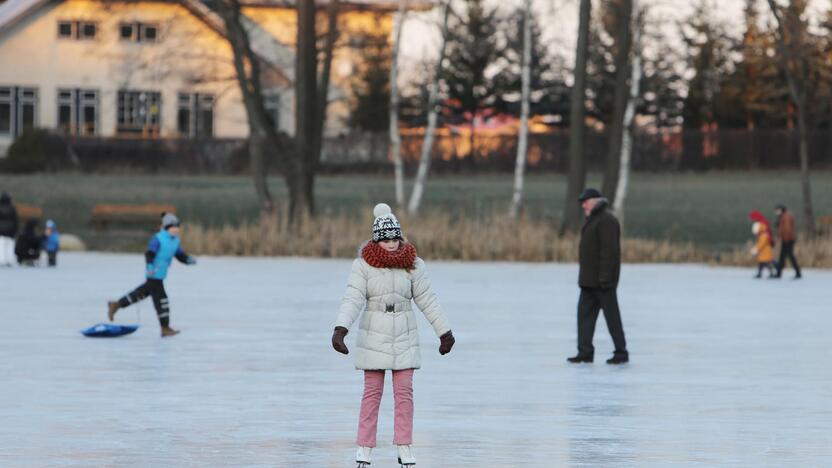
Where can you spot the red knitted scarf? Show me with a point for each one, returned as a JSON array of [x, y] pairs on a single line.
[[375, 255]]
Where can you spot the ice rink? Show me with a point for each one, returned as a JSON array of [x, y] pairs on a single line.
[[725, 370]]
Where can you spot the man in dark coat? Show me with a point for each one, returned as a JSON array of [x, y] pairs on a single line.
[[8, 229], [600, 266], [788, 236]]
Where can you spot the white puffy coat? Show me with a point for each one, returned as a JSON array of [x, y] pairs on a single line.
[[389, 340]]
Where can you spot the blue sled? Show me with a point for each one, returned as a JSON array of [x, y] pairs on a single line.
[[108, 330]]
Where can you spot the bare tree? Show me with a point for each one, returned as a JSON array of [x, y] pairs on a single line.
[[577, 166], [433, 108], [326, 71], [790, 44], [262, 136], [523, 139], [622, 9], [395, 137], [629, 115], [307, 123]]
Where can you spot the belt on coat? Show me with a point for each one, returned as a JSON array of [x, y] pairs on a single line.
[[378, 306]]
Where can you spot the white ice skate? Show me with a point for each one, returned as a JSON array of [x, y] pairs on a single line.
[[362, 456], [406, 458]]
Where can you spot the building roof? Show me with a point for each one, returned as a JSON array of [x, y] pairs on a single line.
[[263, 43], [13, 11]]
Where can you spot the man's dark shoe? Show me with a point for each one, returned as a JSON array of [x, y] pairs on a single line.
[[798, 276], [618, 359], [579, 359]]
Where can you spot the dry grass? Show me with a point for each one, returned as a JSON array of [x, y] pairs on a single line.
[[439, 236]]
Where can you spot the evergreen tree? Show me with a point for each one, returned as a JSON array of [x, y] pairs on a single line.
[[474, 48], [708, 51], [549, 93], [371, 85]]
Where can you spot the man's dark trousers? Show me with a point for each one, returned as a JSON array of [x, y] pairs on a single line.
[[787, 252], [591, 301]]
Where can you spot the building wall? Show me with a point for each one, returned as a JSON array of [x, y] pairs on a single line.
[[188, 57], [282, 24]]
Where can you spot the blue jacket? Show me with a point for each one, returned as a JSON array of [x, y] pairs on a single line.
[[52, 242], [161, 251]]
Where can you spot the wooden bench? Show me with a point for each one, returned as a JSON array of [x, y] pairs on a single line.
[[28, 212], [146, 215]]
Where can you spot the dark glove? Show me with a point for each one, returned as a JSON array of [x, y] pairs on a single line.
[[446, 342], [338, 340]]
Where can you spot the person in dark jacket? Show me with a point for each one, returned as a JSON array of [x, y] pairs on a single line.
[[600, 267], [161, 250], [788, 236], [27, 248], [8, 229]]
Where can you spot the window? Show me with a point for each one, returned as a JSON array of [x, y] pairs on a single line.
[[138, 32], [18, 109], [79, 30], [195, 115], [6, 104], [139, 112], [272, 105], [87, 31], [78, 111], [65, 29], [148, 33], [126, 32]]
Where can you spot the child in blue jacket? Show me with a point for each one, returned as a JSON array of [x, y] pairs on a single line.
[[51, 242], [162, 249]]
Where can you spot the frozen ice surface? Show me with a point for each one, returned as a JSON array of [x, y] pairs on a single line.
[[725, 370]]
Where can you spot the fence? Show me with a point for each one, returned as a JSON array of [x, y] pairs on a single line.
[[452, 153]]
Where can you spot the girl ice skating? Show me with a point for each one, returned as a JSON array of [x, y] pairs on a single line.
[[162, 249], [384, 279]]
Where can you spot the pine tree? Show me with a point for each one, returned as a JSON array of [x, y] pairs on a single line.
[[708, 52], [473, 48], [371, 86]]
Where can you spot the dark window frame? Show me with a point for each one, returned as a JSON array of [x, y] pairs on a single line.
[[198, 111], [79, 100], [138, 32], [71, 24], [77, 30], [20, 100], [139, 112]]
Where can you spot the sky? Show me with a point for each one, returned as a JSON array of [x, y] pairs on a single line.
[[560, 18]]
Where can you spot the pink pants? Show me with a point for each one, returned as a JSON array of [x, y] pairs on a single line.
[[403, 397]]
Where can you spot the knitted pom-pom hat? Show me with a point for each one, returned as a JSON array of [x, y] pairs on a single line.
[[385, 225]]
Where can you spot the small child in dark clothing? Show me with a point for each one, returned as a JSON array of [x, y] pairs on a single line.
[[27, 247], [51, 242]]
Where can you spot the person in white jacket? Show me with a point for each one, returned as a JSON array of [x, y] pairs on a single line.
[[385, 278]]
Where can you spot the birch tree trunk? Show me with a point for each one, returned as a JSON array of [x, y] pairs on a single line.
[[797, 92], [577, 166], [523, 139], [629, 116], [427, 143], [395, 137]]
